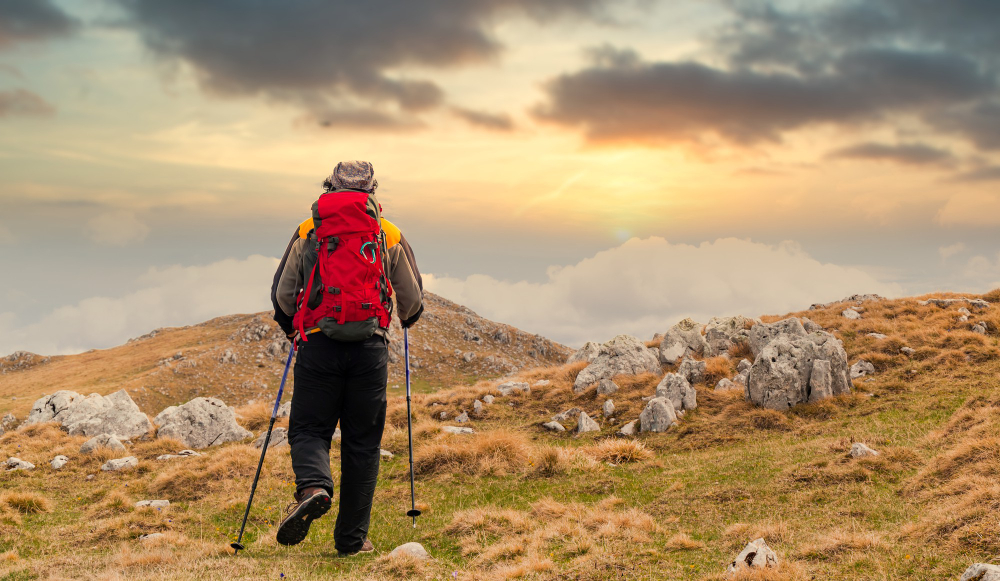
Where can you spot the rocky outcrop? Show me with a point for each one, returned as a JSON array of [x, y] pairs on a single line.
[[945, 303], [18, 464], [588, 353], [108, 441], [676, 389], [623, 355], [511, 387], [981, 572], [606, 387], [861, 369], [682, 339], [722, 333], [756, 555], [279, 439], [693, 370], [200, 423], [783, 374], [657, 416], [93, 415]]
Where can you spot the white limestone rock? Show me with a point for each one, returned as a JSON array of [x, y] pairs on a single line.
[[756, 555], [609, 408], [764, 333], [908, 351], [386, 454], [488, 399], [981, 572], [725, 384], [586, 424], [181, 454], [95, 414], [693, 370], [200, 423], [279, 439], [684, 338], [554, 426], [722, 333], [103, 441], [676, 389], [657, 416], [477, 407], [152, 504], [628, 429], [588, 353], [606, 387], [878, 336], [511, 387], [457, 430], [623, 355], [567, 415], [120, 464], [18, 464], [861, 369], [412, 549], [851, 314], [51, 408], [59, 461], [859, 450], [462, 418], [285, 410]]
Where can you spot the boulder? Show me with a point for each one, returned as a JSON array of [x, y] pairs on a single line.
[[457, 430], [152, 504], [628, 429], [588, 353], [726, 385], [285, 410], [851, 314], [744, 366], [18, 464], [586, 424], [7, 422], [609, 408], [693, 370], [487, 399], [820, 381], [606, 387], [682, 339], [462, 418], [511, 387], [103, 441], [229, 357], [861, 369], [279, 438], [623, 355], [756, 555], [658, 415], [722, 333], [810, 326], [59, 461], [477, 407], [764, 333], [980, 328], [120, 464], [554, 426], [859, 450], [981, 572], [567, 415], [95, 414], [414, 550], [50, 408], [978, 304], [676, 389], [200, 423]]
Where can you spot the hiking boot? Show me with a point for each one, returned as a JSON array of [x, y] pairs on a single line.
[[310, 504], [368, 547]]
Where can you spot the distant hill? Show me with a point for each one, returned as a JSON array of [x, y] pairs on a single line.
[[239, 358]]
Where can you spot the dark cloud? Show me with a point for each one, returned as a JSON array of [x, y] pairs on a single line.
[[21, 103], [983, 174], [840, 63], [32, 20], [338, 59], [494, 121], [906, 153]]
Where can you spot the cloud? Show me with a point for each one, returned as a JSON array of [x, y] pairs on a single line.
[[983, 273], [32, 20], [338, 60], [172, 296], [975, 209], [905, 153], [947, 252], [21, 103], [494, 121], [118, 228], [983, 174], [644, 286], [6, 236]]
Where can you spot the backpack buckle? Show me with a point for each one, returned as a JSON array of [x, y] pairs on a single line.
[[366, 305], [337, 308], [333, 290]]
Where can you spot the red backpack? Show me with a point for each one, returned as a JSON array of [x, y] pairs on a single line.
[[347, 293]]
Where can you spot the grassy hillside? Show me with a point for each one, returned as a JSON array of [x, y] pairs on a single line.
[[514, 501]]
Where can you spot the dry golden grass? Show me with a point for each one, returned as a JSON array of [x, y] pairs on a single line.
[[619, 451], [26, 502], [772, 532], [716, 368], [993, 296], [785, 571], [838, 542], [683, 542], [491, 453]]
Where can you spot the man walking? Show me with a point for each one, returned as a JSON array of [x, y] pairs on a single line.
[[343, 272]]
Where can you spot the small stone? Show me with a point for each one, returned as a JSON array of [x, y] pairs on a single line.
[[103, 441], [566, 415], [386, 454], [59, 461], [851, 314], [337, 435], [878, 336], [756, 555], [586, 424], [279, 438], [859, 450], [462, 418], [964, 311], [908, 351], [744, 366], [488, 399], [90, 477], [542, 383], [980, 328], [725, 385], [981, 572], [443, 415], [181, 454], [415, 550], [120, 464], [18, 464], [609, 408], [512, 387], [861, 369], [151, 536], [554, 426], [468, 356], [285, 410], [606, 387], [152, 504], [457, 430], [628, 429], [692, 370], [658, 415], [477, 407]]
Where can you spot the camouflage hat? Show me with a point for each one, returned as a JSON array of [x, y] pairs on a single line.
[[355, 175]]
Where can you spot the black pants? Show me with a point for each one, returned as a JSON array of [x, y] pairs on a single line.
[[345, 382]]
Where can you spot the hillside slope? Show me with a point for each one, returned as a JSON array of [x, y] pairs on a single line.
[[450, 345], [513, 500]]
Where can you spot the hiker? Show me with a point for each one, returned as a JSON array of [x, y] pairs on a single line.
[[331, 294]]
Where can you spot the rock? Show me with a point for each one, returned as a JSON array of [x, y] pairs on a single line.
[[487, 399], [693, 370], [151, 536], [606, 387], [337, 435], [981, 572], [457, 430], [722, 333], [152, 504], [780, 378], [682, 339], [386, 454], [810, 326], [588, 353], [851, 314], [609, 408], [200, 423], [277, 349], [878, 336], [908, 351], [50, 408], [980, 328], [477, 407], [676, 389], [228, 357], [628, 429], [59, 461], [859, 450], [764, 333], [978, 304], [963, 319], [861, 369], [415, 550], [542, 383], [120, 464], [965, 311], [285, 410], [468, 356], [820, 381], [566, 415], [181, 454], [90, 477], [18, 464], [744, 366], [443, 416], [279, 438], [623, 355], [586, 424], [855, 298], [658, 415], [512, 387], [95, 414], [554, 426], [756, 555], [103, 441], [8, 421], [725, 385], [742, 379], [462, 418]]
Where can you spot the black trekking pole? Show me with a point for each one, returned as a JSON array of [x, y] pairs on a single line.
[[413, 512], [237, 546]]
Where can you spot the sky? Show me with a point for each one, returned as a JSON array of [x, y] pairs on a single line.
[[576, 168]]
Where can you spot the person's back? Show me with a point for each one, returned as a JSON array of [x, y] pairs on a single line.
[[333, 292]]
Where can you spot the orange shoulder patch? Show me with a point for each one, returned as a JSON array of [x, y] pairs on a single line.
[[305, 227], [392, 233]]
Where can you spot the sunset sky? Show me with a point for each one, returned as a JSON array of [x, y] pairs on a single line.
[[577, 168]]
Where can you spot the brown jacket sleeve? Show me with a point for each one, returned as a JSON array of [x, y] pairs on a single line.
[[407, 284], [290, 279]]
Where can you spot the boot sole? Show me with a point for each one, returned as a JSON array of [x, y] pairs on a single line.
[[293, 530]]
